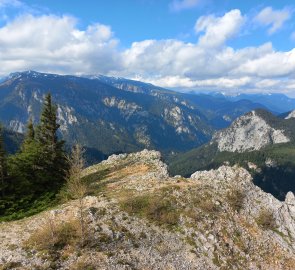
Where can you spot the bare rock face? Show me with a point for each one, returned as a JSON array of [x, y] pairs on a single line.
[[291, 115], [256, 200], [249, 132]]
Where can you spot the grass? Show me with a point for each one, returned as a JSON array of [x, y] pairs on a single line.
[[266, 220], [54, 237], [235, 198], [156, 208]]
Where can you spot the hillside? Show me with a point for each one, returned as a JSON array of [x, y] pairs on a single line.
[[138, 217], [257, 138], [12, 140], [112, 115]]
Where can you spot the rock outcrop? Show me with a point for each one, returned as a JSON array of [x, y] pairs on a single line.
[[247, 133]]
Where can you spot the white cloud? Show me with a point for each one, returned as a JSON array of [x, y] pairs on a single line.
[[273, 18], [55, 44], [219, 29], [178, 5]]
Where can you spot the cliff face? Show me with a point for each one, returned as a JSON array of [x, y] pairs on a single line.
[[249, 132], [139, 217]]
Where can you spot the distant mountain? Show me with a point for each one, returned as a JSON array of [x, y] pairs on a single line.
[[111, 115], [258, 140], [278, 103]]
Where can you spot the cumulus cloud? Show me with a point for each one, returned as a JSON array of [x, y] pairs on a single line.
[[275, 19], [55, 43], [51, 43], [219, 29], [178, 5]]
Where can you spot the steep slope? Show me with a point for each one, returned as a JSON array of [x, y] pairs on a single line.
[[256, 140], [140, 218], [218, 110]]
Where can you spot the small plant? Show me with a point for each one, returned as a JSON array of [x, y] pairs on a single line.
[[208, 206], [10, 265], [54, 237], [76, 187], [266, 220], [235, 198], [157, 208]]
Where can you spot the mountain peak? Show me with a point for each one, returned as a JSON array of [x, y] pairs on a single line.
[[250, 132]]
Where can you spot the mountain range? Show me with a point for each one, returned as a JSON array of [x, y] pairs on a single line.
[[275, 102], [111, 115]]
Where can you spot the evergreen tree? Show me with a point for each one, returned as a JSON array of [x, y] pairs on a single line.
[[47, 133], [30, 136], [3, 164], [53, 148]]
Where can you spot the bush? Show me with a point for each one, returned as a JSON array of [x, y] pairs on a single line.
[[266, 219], [53, 237]]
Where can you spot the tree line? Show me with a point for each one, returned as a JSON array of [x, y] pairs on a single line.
[[31, 178]]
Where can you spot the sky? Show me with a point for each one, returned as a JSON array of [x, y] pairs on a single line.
[[203, 45]]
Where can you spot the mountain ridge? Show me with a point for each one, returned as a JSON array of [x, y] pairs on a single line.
[[112, 120]]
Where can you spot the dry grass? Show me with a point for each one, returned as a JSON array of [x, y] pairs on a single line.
[[266, 220], [156, 208], [129, 170], [235, 197], [52, 237]]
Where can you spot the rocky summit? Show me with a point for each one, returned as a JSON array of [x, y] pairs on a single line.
[[249, 132], [138, 217]]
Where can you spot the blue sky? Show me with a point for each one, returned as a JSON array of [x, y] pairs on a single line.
[[223, 45]]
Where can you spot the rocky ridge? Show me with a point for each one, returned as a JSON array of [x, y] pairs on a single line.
[[140, 218], [249, 132]]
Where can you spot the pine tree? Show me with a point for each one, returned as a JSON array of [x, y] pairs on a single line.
[[53, 148], [47, 133], [3, 163]]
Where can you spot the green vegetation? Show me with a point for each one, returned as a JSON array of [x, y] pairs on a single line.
[[31, 178], [158, 208]]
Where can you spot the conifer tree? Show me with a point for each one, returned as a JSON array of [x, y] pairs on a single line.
[[47, 133], [3, 163], [53, 148], [30, 135]]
